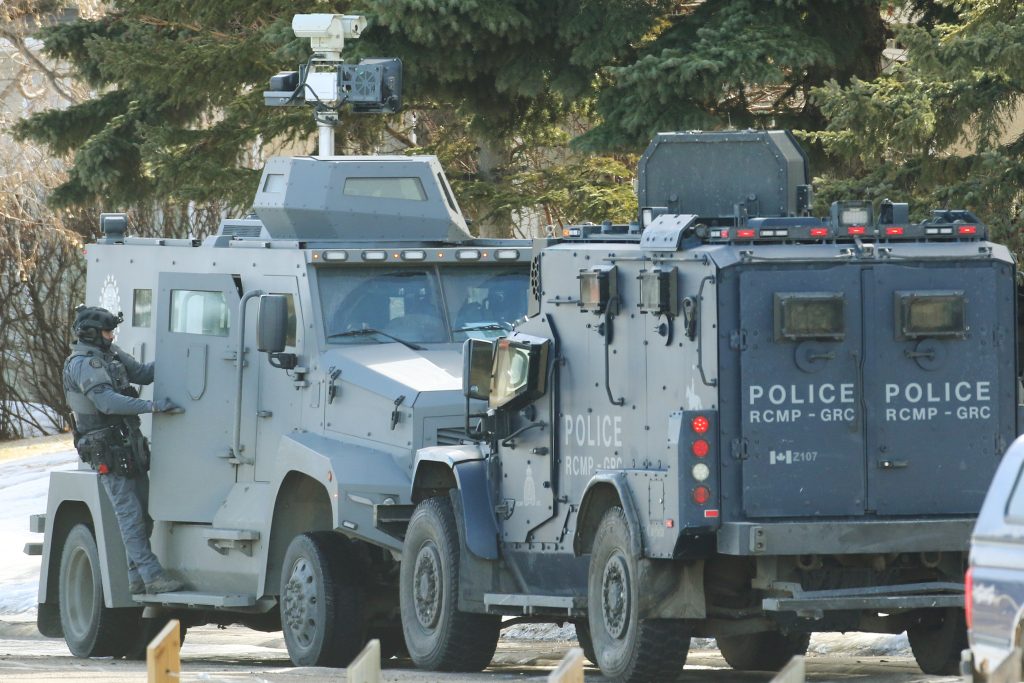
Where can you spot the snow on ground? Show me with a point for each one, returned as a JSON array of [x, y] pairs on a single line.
[[23, 484]]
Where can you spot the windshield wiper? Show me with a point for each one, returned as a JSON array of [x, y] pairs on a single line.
[[374, 330], [472, 327]]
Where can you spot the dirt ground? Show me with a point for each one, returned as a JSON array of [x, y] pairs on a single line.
[[239, 654]]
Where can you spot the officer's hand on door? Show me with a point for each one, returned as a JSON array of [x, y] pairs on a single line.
[[166, 405]]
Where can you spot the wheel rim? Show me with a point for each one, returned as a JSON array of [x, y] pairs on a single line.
[[615, 592], [301, 602], [78, 595], [426, 582]]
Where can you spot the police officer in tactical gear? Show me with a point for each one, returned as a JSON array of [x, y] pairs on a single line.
[[97, 382]]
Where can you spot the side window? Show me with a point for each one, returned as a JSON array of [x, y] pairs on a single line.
[[142, 308], [199, 312], [291, 336]]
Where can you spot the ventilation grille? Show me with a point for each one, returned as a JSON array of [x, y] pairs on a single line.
[[241, 230], [451, 436]]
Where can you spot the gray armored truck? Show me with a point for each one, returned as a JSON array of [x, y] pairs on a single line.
[[731, 419], [314, 348]]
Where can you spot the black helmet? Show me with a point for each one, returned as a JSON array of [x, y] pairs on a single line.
[[89, 320]]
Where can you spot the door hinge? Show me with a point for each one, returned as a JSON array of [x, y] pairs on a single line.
[[738, 340], [332, 386], [739, 449]]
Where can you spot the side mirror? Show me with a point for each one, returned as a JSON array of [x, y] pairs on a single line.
[[477, 355], [272, 323]]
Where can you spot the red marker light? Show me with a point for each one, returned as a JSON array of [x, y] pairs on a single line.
[[744, 233], [856, 230], [725, 234], [969, 596], [894, 231], [819, 232], [700, 424], [711, 513], [701, 448], [669, 523], [103, 469], [701, 495], [968, 230]]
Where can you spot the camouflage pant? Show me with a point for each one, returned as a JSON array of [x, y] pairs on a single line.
[[130, 499]]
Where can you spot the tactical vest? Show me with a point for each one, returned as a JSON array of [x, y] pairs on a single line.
[[87, 417]]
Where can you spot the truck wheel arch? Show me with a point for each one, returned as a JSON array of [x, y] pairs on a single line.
[[302, 505], [604, 491], [432, 479]]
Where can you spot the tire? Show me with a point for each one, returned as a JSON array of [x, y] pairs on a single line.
[[937, 639], [321, 602], [147, 630], [91, 629], [438, 635], [628, 649], [585, 641], [765, 651]]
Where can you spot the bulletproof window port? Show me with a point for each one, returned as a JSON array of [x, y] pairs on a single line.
[[142, 308], [658, 292], [274, 183], [386, 188], [931, 314], [599, 290], [809, 315], [199, 312]]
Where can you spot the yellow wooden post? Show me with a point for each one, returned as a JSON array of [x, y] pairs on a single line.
[[365, 668], [163, 655], [794, 672], [570, 669]]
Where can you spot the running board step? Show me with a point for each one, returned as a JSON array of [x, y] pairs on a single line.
[[195, 599], [515, 603]]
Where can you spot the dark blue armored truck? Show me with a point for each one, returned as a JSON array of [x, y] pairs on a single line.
[[731, 420]]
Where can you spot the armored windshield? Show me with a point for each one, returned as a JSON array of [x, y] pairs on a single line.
[[424, 304]]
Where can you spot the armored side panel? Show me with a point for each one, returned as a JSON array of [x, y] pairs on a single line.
[[388, 198], [716, 175]]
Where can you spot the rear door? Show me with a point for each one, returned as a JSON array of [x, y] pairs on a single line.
[[802, 444], [939, 377]]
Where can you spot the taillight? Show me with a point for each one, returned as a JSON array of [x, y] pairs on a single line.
[[744, 233], [969, 596], [968, 230], [700, 448], [819, 232], [894, 231], [700, 424], [701, 495], [856, 230]]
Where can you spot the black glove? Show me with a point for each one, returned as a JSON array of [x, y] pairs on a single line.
[[166, 405]]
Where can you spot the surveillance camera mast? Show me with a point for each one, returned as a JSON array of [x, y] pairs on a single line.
[[374, 86]]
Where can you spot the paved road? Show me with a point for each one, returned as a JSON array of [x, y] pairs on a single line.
[[238, 654]]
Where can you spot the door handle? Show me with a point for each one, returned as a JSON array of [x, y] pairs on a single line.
[[892, 464]]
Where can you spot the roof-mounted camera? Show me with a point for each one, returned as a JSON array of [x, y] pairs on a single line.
[[373, 86]]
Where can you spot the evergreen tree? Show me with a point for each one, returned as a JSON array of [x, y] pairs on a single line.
[[942, 128]]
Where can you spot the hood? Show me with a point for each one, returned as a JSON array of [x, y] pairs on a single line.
[[393, 368]]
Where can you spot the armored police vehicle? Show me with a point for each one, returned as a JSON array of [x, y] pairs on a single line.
[[314, 348], [731, 420]]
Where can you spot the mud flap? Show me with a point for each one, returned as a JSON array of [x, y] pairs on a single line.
[[672, 589]]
